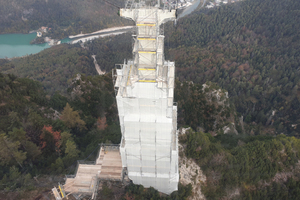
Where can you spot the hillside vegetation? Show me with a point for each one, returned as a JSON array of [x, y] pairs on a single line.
[[53, 67], [249, 49], [42, 135], [63, 17], [252, 50], [112, 50], [36, 139], [237, 165], [246, 167]]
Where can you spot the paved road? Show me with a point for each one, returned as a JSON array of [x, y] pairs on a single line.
[[104, 33], [191, 8]]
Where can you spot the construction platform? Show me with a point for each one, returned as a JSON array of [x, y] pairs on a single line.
[[108, 166]]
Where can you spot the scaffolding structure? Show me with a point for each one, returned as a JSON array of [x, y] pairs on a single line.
[[145, 91], [144, 86], [88, 174]]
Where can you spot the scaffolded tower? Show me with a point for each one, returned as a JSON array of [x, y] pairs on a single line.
[[144, 92]]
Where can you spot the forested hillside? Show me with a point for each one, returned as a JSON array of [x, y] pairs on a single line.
[[237, 165], [206, 108], [53, 67], [246, 167], [40, 134], [111, 51], [251, 49], [63, 17], [36, 139]]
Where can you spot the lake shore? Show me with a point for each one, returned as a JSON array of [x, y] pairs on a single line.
[[14, 46]]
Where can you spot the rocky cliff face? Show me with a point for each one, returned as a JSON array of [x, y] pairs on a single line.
[[224, 117], [206, 108], [190, 172]]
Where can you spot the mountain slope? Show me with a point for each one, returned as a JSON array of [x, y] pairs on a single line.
[[63, 17], [249, 48]]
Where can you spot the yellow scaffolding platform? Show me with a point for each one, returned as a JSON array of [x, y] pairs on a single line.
[[148, 69], [146, 38], [145, 24], [148, 81], [151, 52]]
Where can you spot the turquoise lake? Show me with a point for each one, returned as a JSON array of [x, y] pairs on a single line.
[[16, 45]]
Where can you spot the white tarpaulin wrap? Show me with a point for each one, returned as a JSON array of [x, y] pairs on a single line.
[[145, 93]]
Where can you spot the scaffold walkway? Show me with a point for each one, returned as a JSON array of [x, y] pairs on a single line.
[[108, 166]]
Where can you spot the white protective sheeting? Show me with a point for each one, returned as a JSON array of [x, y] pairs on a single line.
[[150, 157], [149, 147]]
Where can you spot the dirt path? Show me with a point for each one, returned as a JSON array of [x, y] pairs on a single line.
[[97, 66]]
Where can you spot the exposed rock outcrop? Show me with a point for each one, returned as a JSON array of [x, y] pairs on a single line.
[[190, 172]]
